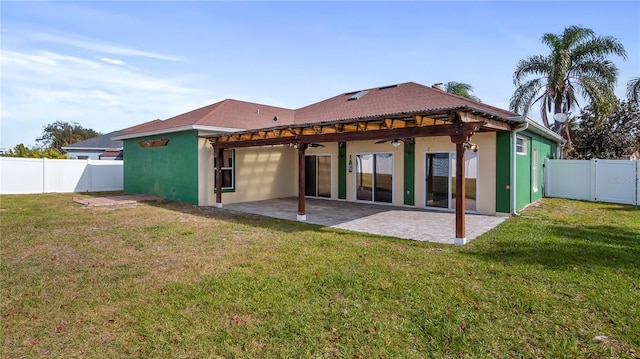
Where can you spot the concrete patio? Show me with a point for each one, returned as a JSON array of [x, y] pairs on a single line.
[[401, 222]]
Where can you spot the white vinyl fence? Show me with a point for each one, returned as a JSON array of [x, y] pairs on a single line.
[[36, 175], [615, 181]]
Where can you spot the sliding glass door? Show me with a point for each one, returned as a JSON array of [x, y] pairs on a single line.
[[374, 177], [317, 176], [440, 180]]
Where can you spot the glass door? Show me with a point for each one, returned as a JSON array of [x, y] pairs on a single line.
[[317, 176], [374, 177], [440, 180], [438, 174]]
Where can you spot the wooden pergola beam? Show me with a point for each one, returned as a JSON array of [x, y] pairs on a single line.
[[383, 134]]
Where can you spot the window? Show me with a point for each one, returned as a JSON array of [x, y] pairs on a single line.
[[534, 170], [83, 157], [228, 173], [521, 145]]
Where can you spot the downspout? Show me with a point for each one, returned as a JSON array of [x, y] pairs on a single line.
[[514, 142]]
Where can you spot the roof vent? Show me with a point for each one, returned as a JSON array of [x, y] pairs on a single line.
[[275, 118], [358, 95], [438, 86], [257, 111], [387, 87]]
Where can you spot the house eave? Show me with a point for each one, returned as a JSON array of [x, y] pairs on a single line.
[[213, 129], [88, 148], [543, 131]]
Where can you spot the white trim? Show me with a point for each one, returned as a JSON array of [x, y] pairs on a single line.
[[92, 148], [177, 129], [535, 174], [525, 145], [543, 131]]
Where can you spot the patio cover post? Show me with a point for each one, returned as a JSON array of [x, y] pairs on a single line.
[[219, 160], [302, 215], [461, 238]]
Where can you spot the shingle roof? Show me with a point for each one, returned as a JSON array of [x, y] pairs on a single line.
[[232, 114], [101, 142], [406, 97]]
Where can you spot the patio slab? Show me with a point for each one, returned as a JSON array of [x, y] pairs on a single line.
[[393, 221], [115, 200]]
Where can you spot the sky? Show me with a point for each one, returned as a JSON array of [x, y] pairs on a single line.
[[115, 64]]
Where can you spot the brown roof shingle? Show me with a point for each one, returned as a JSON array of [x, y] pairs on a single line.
[[402, 98], [226, 114], [406, 97]]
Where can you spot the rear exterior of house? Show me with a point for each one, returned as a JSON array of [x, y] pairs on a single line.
[[417, 171]]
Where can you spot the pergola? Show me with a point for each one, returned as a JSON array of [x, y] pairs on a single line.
[[459, 123]]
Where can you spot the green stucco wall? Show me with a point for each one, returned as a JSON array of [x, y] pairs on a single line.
[[524, 172], [170, 171], [503, 172], [523, 175]]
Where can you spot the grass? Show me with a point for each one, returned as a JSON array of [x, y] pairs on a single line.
[[168, 280]]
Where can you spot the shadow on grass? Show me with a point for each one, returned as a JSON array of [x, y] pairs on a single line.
[[246, 219], [566, 247], [622, 208]]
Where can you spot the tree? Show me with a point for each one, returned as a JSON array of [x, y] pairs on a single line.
[[60, 134], [460, 89], [23, 151], [612, 136], [577, 65], [633, 91]]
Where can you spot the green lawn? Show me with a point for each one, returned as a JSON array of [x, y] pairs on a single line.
[[167, 281]]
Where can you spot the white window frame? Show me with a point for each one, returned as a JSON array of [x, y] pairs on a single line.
[[521, 148], [226, 168]]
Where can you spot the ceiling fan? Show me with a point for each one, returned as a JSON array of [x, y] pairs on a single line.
[[395, 142]]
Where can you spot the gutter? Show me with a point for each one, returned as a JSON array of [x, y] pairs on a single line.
[[514, 134]]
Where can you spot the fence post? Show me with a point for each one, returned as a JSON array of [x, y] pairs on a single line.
[[89, 166], [545, 171], [44, 175], [637, 182], [594, 177]]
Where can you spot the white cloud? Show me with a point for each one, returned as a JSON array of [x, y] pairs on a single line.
[[111, 61], [42, 87], [95, 45]]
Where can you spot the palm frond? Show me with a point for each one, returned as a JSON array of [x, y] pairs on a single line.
[[633, 90], [523, 97], [532, 65]]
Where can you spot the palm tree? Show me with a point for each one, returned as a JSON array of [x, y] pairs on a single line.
[[633, 91], [460, 89], [577, 65]]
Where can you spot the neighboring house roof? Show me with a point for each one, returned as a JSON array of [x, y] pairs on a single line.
[[233, 115], [101, 142], [112, 152]]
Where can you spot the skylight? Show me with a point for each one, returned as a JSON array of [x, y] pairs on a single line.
[[357, 95], [387, 87]]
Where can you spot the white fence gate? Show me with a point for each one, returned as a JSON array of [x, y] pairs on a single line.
[[36, 175], [615, 181]]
